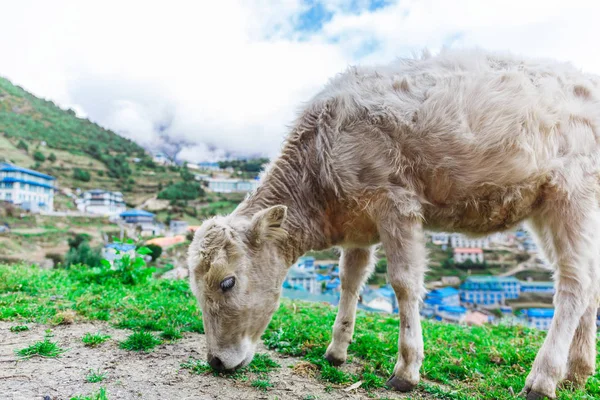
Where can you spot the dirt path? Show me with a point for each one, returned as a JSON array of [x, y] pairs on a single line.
[[155, 375]]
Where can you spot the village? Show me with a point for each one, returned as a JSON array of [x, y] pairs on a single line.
[[500, 278]]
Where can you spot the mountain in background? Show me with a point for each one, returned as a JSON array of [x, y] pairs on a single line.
[[37, 134]]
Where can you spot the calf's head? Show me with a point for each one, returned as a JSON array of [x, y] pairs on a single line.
[[237, 267]]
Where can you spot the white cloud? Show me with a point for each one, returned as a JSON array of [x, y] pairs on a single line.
[[228, 76]]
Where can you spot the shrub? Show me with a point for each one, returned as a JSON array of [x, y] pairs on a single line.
[[131, 270], [76, 240], [22, 145], [83, 254], [39, 156], [56, 258], [181, 191], [81, 175], [52, 157], [155, 251], [100, 173]]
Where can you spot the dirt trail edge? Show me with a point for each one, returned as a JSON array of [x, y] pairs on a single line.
[[131, 375]]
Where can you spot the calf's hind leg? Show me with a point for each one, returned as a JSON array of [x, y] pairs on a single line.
[[571, 232], [356, 264], [407, 261]]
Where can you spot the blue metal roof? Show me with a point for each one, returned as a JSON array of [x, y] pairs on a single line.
[[123, 247], [13, 168], [136, 213], [453, 309], [443, 292], [33, 183], [539, 312]]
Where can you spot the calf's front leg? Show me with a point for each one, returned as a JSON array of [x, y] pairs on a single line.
[[356, 264], [407, 262]]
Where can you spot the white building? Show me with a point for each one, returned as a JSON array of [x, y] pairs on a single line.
[[459, 240], [114, 251], [162, 159], [228, 185], [101, 202], [440, 238], [178, 227], [463, 254], [27, 188], [298, 279]]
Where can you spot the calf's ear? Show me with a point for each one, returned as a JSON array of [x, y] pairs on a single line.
[[267, 224]]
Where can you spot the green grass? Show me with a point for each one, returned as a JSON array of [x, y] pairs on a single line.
[[94, 339], [262, 384], [99, 395], [171, 334], [460, 362], [45, 348], [140, 341], [19, 328], [95, 376]]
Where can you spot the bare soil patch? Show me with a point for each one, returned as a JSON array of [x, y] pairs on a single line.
[[154, 375]]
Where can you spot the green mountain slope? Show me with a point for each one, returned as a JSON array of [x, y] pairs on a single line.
[[24, 116], [37, 134]]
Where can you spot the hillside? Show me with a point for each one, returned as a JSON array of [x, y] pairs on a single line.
[[488, 362], [36, 133]]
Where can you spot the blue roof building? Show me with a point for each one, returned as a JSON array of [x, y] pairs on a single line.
[[487, 291], [306, 263], [537, 287], [30, 189], [451, 313], [540, 318], [437, 298], [137, 216]]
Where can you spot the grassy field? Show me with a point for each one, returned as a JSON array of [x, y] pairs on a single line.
[[460, 363]]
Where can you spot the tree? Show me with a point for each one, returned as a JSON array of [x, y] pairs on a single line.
[[52, 157], [155, 251], [22, 145], [76, 240], [39, 156], [381, 266], [83, 254], [81, 175], [181, 191]]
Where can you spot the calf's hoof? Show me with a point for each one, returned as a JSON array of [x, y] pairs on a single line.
[[400, 384], [336, 362], [536, 396]]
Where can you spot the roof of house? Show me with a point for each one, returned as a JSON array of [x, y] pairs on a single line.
[[468, 250], [491, 278], [443, 292], [136, 213], [167, 241], [539, 312], [29, 182], [453, 309], [538, 284], [123, 247], [13, 168]]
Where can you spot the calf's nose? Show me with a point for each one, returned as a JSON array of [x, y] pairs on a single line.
[[215, 363]]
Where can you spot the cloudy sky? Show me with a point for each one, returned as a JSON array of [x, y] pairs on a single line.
[[205, 78]]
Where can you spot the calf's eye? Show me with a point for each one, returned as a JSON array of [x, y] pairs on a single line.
[[228, 283]]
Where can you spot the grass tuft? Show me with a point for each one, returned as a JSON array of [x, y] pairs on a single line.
[[100, 395], [46, 348], [262, 384], [95, 376], [94, 339], [171, 334], [19, 328], [140, 341]]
